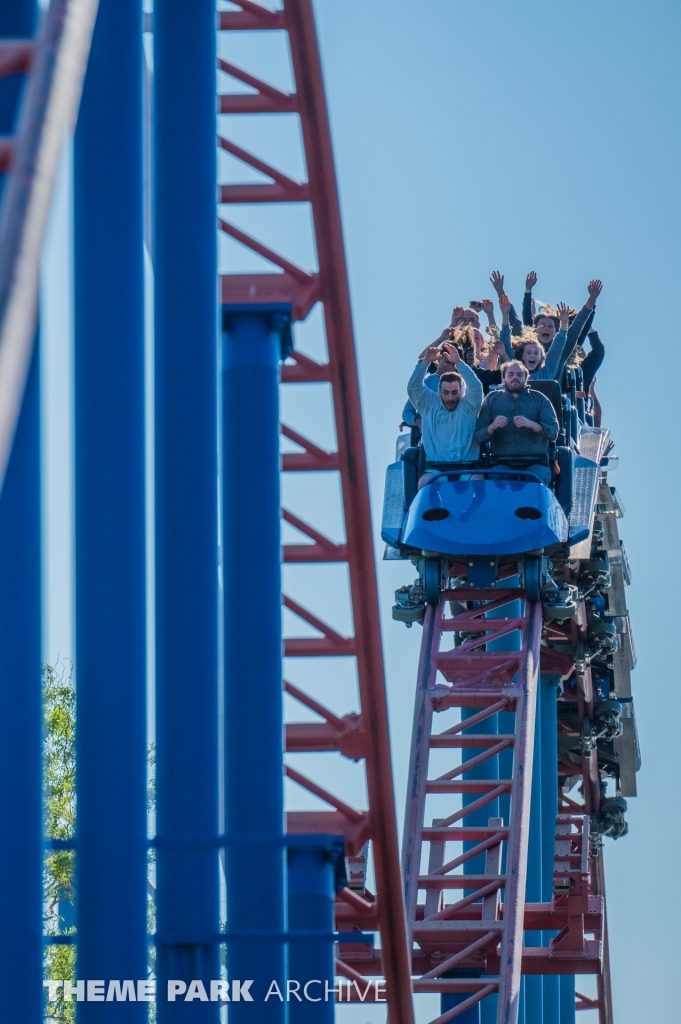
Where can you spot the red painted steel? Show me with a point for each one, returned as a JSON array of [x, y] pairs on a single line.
[[478, 931], [362, 736], [468, 932]]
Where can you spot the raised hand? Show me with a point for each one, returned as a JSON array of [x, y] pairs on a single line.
[[504, 303], [451, 354], [595, 288], [497, 280], [563, 311], [488, 307], [431, 354], [457, 315], [530, 280]]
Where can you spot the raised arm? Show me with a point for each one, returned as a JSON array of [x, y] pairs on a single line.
[[497, 280], [530, 282], [505, 334], [422, 397], [592, 363], [557, 356], [496, 354], [585, 314], [488, 309]]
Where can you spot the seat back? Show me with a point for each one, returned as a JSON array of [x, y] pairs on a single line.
[[413, 465], [565, 457], [551, 390]]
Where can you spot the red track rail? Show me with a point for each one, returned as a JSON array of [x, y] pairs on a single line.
[[364, 735]]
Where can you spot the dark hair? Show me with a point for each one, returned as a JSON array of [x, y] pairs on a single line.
[[451, 377], [547, 316]]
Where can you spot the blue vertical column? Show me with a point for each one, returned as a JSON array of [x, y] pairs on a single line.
[[20, 649], [20, 718], [493, 768], [185, 355], [254, 342], [111, 857], [568, 1011], [310, 907], [548, 714]]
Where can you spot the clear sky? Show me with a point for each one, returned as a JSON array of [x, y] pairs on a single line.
[[514, 136], [535, 135]]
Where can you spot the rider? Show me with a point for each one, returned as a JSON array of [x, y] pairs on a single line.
[[448, 415], [519, 422]]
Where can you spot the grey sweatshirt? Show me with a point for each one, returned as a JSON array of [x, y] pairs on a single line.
[[511, 441], [447, 436]]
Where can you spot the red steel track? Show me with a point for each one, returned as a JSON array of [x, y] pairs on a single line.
[[362, 736]]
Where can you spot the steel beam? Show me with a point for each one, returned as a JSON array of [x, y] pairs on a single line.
[[185, 301], [110, 514], [254, 800]]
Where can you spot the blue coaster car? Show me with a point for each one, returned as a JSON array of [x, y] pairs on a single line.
[[454, 515]]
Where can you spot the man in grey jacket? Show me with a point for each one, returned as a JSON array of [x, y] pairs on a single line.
[[519, 422], [448, 415]]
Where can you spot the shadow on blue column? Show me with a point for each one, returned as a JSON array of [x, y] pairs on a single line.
[[255, 339], [534, 984], [186, 526], [568, 1012], [111, 864], [548, 718], [505, 726], [21, 719], [311, 889]]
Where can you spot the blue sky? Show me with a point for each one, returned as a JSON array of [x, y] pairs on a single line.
[[472, 137]]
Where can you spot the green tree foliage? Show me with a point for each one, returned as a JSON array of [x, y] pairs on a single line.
[[59, 780], [59, 783]]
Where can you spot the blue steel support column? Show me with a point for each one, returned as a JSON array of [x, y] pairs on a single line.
[[20, 719], [185, 304], [548, 713], [568, 1013], [310, 907], [20, 656], [111, 860], [505, 725], [486, 1011], [254, 785], [486, 770]]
